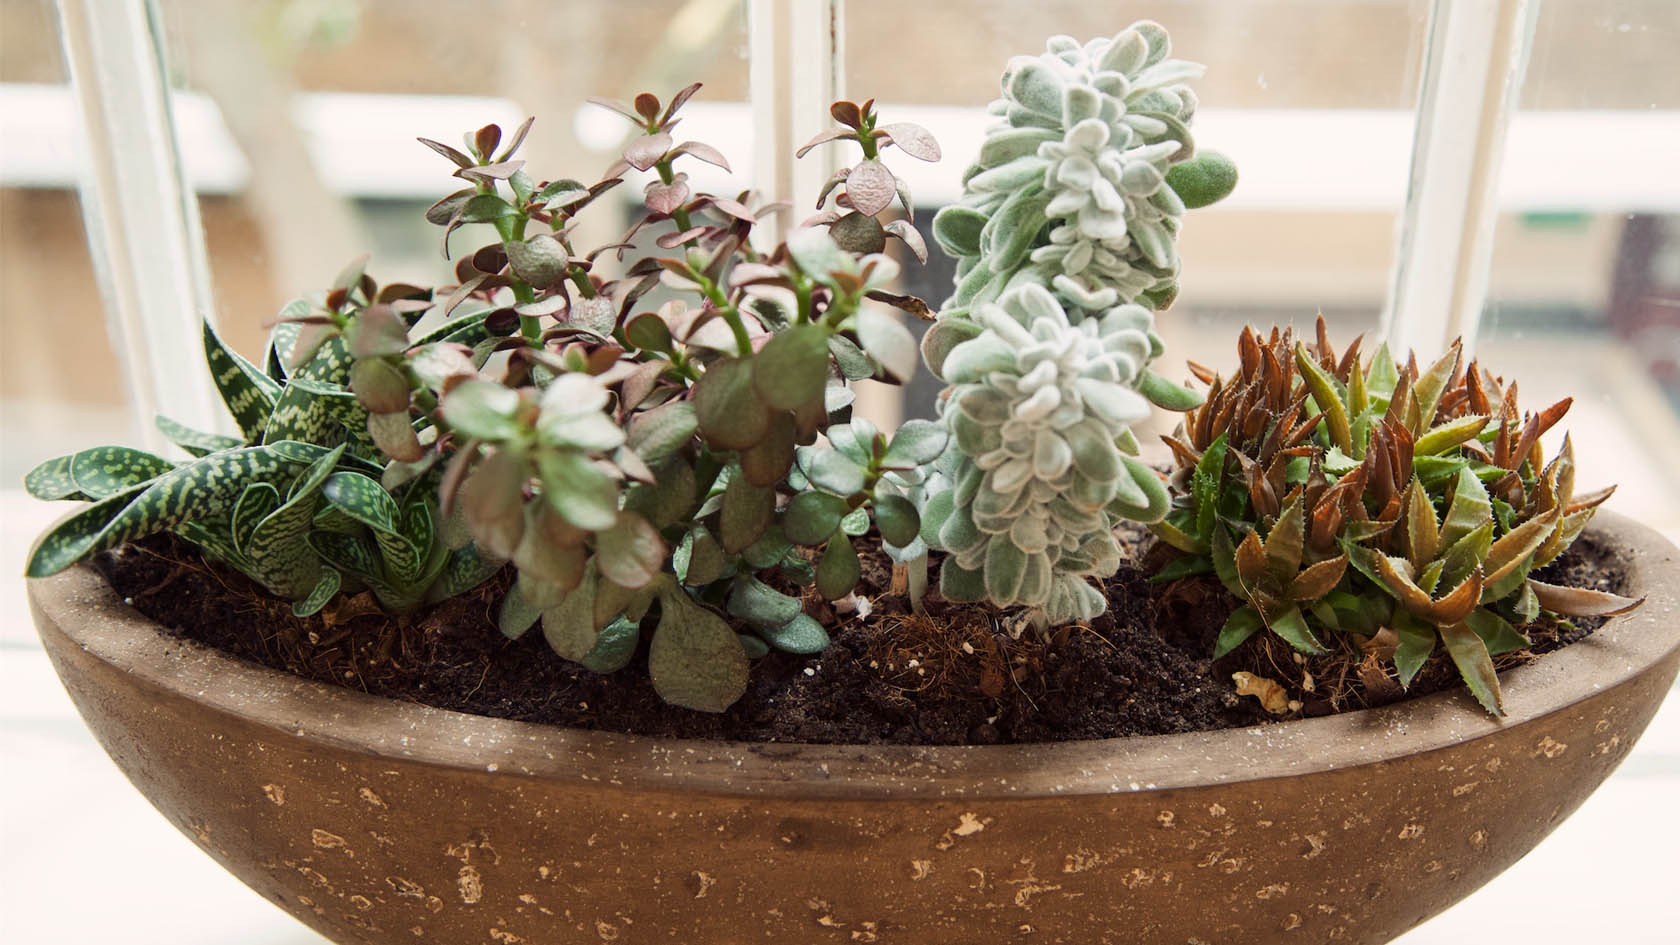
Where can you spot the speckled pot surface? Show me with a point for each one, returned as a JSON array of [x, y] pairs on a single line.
[[376, 821]]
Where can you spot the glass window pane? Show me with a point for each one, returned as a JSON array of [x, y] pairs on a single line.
[[61, 384], [1584, 291], [299, 122]]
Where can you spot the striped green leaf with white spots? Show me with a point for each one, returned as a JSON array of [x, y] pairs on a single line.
[[328, 585], [248, 392], [201, 488], [193, 441], [51, 480]]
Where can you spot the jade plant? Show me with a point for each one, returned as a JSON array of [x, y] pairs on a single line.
[[1064, 238], [1334, 494]]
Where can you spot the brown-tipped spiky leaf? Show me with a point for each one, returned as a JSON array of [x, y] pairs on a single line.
[[1581, 601], [1328, 399], [1474, 664], [1317, 580]]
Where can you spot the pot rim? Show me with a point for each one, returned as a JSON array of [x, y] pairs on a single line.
[[81, 608]]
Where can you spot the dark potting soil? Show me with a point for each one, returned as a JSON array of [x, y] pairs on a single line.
[[961, 674]]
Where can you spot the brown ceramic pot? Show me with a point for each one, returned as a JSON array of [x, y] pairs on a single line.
[[376, 821]]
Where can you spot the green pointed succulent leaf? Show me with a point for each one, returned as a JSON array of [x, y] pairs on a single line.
[[695, 660], [614, 646], [792, 369], [802, 636], [363, 499], [1292, 627], [1417, 641], [810, 517], [761, 605], [727, 409], [52, 480], [916, 443], [254, 504], [838, 569], [1238, 627]]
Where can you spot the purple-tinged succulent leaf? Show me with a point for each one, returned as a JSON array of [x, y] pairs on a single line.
[[871, 187], [449, 208], [823, 137], [913, 140], [704, 152], [663, 198], [677, 101], [376, 332], [647, 106], [617, 106], [540, 260], [394, 434], [485, 173], [647, 150], [460, 159], [846, 113], [733, 208], [729, 412], [517, 140], [911, 238], [485, 140]]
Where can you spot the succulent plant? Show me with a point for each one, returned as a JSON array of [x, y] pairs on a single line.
[[1075, 189], [1430, 483], [1040, 410], [637, 462], [295, 503], [1064, 240]]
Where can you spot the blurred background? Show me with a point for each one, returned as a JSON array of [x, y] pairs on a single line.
[[296, 122]]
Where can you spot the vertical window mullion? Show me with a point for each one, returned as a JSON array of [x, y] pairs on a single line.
[[141, 215], [1473, 67]]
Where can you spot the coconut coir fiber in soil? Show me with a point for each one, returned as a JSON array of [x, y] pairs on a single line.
[[956, 676]]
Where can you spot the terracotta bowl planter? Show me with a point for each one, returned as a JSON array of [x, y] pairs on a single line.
[[376, 821]]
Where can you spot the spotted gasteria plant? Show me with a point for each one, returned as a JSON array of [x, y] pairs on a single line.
[[296, 501], [1064, 238], [1403, 507]]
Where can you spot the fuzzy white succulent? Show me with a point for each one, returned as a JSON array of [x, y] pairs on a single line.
[[1070, 190], [1067, 222], [1040, 407]]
